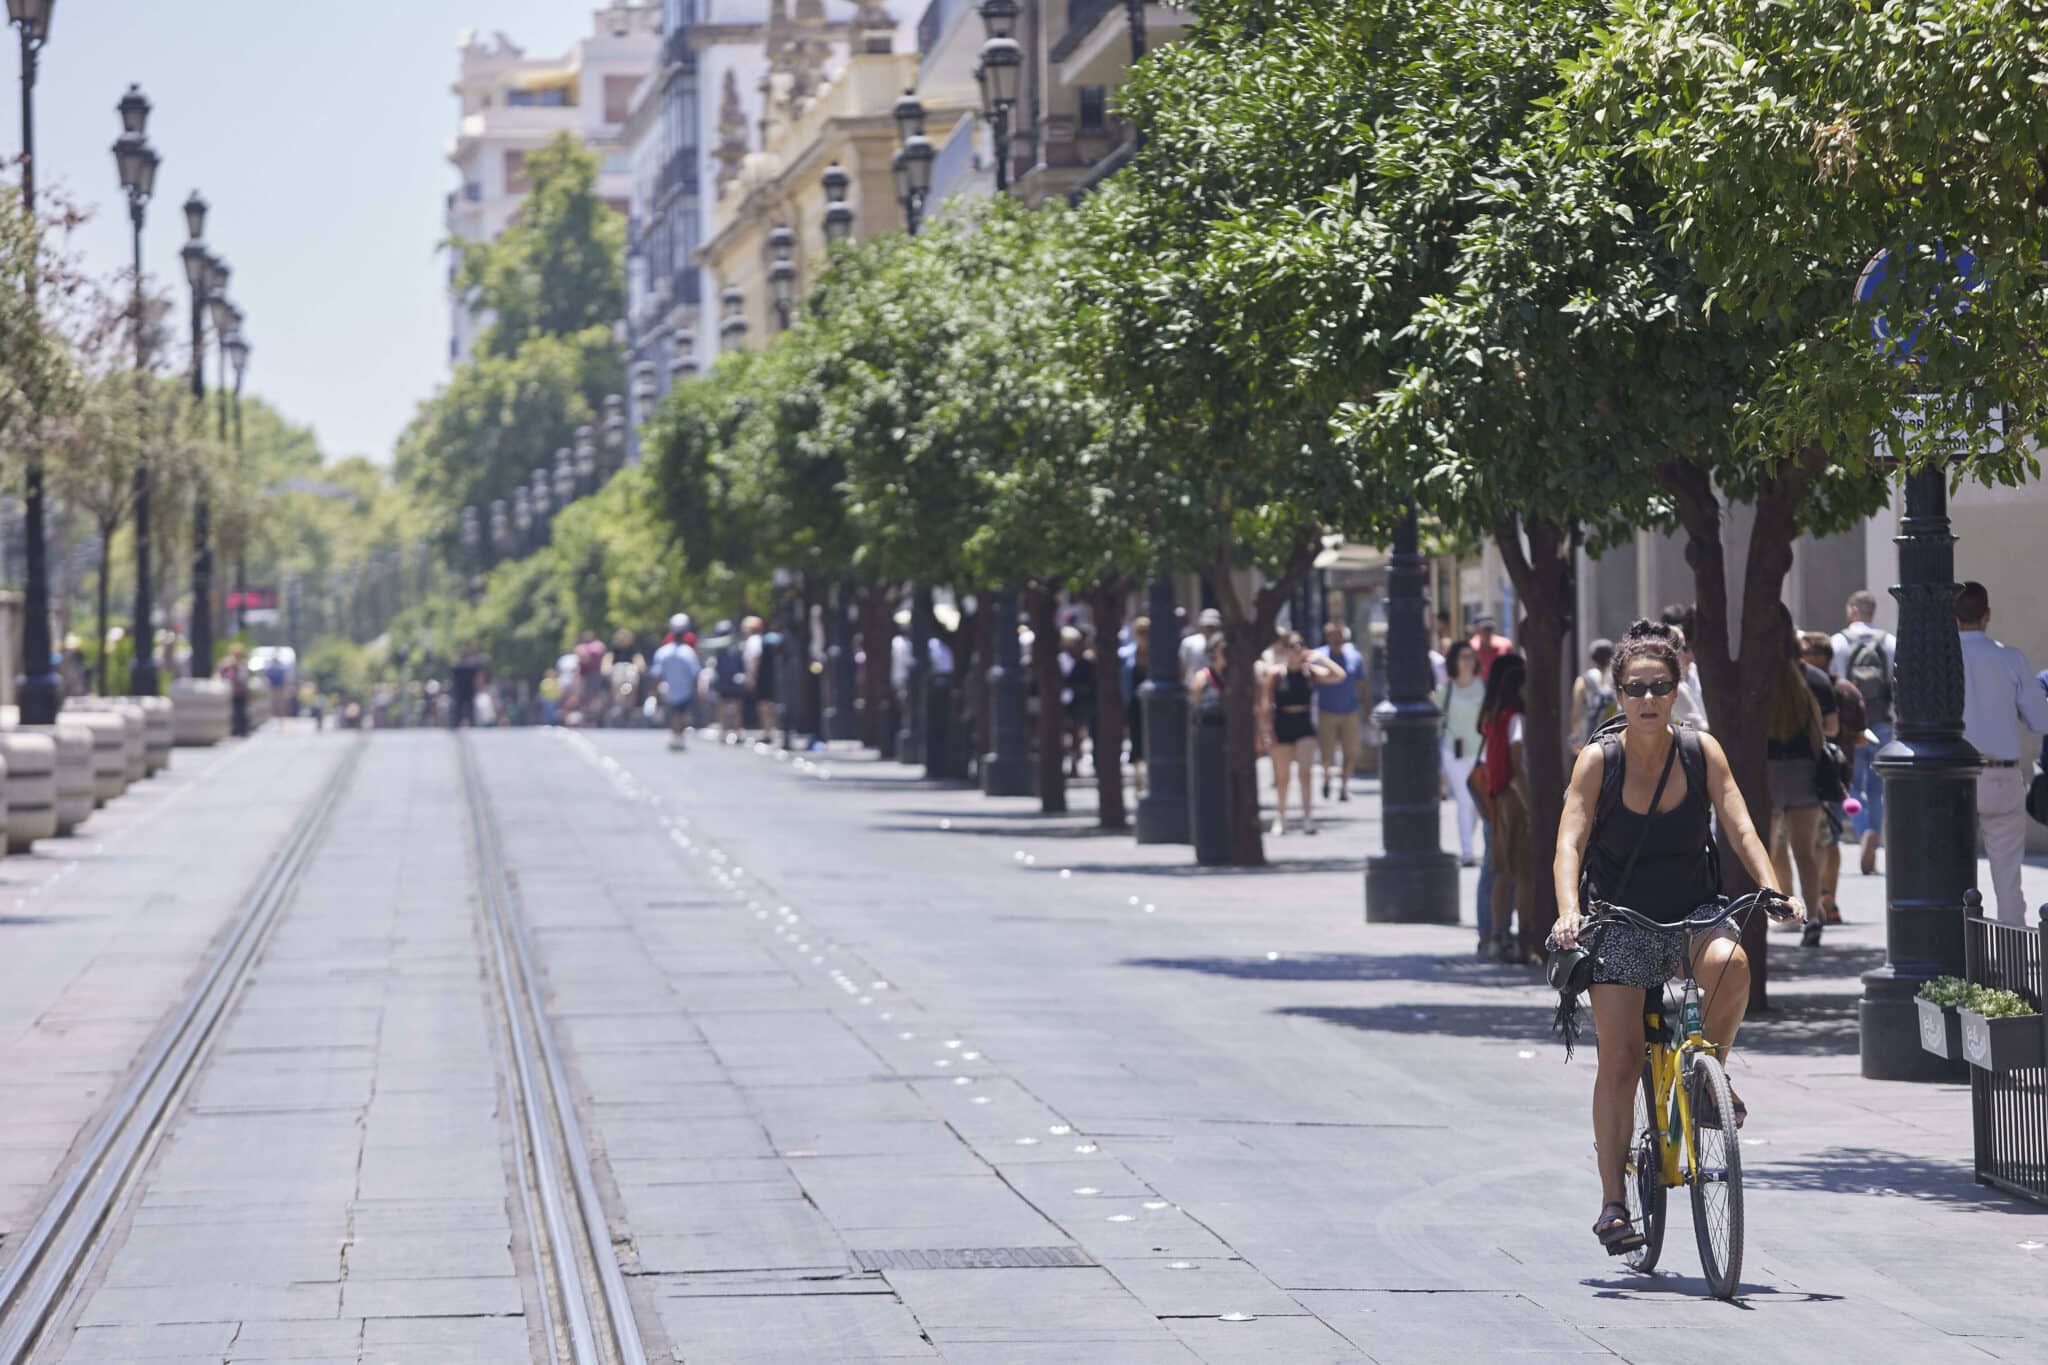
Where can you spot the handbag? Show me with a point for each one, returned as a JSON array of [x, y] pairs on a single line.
[[2037, 798], [1831, 767], [1475, 783]]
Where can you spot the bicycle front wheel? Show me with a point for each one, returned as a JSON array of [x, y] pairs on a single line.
[[1645, 1178], [1716, 1176]]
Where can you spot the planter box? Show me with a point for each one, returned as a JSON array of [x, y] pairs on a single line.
[[1941, 1031], [2003, 1044]]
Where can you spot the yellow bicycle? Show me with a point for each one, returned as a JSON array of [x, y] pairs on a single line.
[[1685, 1131]]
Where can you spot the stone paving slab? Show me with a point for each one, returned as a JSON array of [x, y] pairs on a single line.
[[1374, 1124], [102, 933], [337, 1185]]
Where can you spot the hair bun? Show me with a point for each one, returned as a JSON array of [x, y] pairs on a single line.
[[1646, 629]]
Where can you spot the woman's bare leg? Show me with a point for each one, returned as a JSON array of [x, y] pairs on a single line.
[[1618, 1019]]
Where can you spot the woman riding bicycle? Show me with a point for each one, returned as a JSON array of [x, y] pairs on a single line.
[[1656, 863]]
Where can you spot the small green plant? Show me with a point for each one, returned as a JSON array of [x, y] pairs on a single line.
[[1997, 1004], [1947, 991]]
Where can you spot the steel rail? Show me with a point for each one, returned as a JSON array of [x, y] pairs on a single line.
[[65, 1236], [548, 1108]]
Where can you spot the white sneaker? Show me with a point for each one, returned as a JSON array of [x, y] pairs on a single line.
[[1279, 827], [1308, 824]]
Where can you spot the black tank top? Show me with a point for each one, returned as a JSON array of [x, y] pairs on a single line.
[[1671, 877], [1291, 721]]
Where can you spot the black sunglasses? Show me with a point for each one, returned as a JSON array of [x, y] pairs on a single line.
[[1663, 687]]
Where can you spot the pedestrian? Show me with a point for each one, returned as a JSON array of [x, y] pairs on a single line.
[[591, 690], [1135, 658], [761, 655], [676, 668], [1803, 716], [1689, 706], [1077, 695], [1489, 644], [1441, 646], [465, 676], [1864, 656], [1593, 697], [277, 680], [235, 671], [624, 669], [1341, 709], [729, 680], [1503, 781], [2000, 693], [1290, 687], [1460, 699], [1850, 720], [1197, 647]]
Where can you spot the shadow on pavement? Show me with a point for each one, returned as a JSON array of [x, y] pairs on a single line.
[[1668, 1284], [1803, 1026], [1885, 1174], [1342, 967], [1049, 831], [1194, 869], [1508, 1021]]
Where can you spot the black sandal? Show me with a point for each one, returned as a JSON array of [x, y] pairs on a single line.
[[1741, 1112], [1615, 1231]]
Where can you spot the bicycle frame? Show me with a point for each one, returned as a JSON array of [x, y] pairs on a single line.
[[1669, 1065]]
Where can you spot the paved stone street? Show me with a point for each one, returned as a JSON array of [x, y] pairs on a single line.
[[873, 1071]]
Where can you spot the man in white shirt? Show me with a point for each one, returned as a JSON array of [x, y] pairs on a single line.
[[1194, 648], [677, 666], [1864, 657], [2000, 693]]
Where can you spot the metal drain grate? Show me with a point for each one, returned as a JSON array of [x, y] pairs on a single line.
[[973, 1258]]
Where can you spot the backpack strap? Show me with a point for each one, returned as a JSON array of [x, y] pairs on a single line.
[[1693, 754]]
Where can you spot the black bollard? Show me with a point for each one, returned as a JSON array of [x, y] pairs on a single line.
[[1930, 795], [1413, 880], [1163, 809], [1208, 815]]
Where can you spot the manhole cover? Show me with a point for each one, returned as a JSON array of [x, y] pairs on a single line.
[[972, 1258]]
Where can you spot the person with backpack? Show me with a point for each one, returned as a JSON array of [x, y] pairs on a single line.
[[1864, 658], [730, 682], [1637, 830], [1593, 699], [676, 668]]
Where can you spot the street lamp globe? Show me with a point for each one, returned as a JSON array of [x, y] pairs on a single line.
[[238, 350], [643, 387], [217, 276], [835, 181], [586, 446], [134, 108], [194, 255], [565, 478], [522, 510], [999, 17], [1002, 63], [900, 168], [137, 162], [909, 116], [540, 492], [195, 217], [918, 156], [782, 283], [223, 312], [614, 429], [781, 242], [32, 17], [838, 223]]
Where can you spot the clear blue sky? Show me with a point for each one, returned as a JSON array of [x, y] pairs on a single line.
[[316, 131]]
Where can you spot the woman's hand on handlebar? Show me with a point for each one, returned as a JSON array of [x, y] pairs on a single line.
[[1780, 906]]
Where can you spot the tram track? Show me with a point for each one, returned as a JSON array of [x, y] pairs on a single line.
[[588, 1317], [53, 1258]]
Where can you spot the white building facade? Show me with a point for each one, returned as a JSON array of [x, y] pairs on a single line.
[[512, 104]]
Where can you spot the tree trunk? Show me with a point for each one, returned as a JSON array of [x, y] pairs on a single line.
[[106, 567], [974, 684], [876, 632], [1108, 602], [1045, 675], [1740, 683], [1544, 583], [966, 696]]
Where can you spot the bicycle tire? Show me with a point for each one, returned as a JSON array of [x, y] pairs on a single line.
[[1716, 1176], [1644, 1177]]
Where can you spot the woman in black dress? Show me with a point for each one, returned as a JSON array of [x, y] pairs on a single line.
[[1290, 689]]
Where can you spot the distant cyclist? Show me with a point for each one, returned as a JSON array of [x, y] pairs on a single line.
[[1655, 862]]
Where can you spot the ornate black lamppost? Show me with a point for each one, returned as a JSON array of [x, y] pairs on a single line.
[[913, 160], [199, 274], [614, 433], [1163, 814], [137, 163], [41, 691], [1930, 794], [838, 221], [236, 351], [732, 323], [565, 478], [782, 273], [586, 457], [1412, 880], [1001, 74]]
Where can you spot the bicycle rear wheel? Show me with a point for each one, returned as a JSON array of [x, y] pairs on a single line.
[[1716, 1176], [1644, 1177]]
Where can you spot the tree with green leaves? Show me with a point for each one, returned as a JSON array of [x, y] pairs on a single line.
[[559, 269]]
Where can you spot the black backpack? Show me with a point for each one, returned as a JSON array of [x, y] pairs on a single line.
[[1870, 673]]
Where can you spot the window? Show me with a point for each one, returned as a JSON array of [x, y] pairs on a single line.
[[1094, 106], [556, 97], [618, 97], [515, 173]]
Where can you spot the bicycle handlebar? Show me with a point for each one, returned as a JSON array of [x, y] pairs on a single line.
[[1710, 915]]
